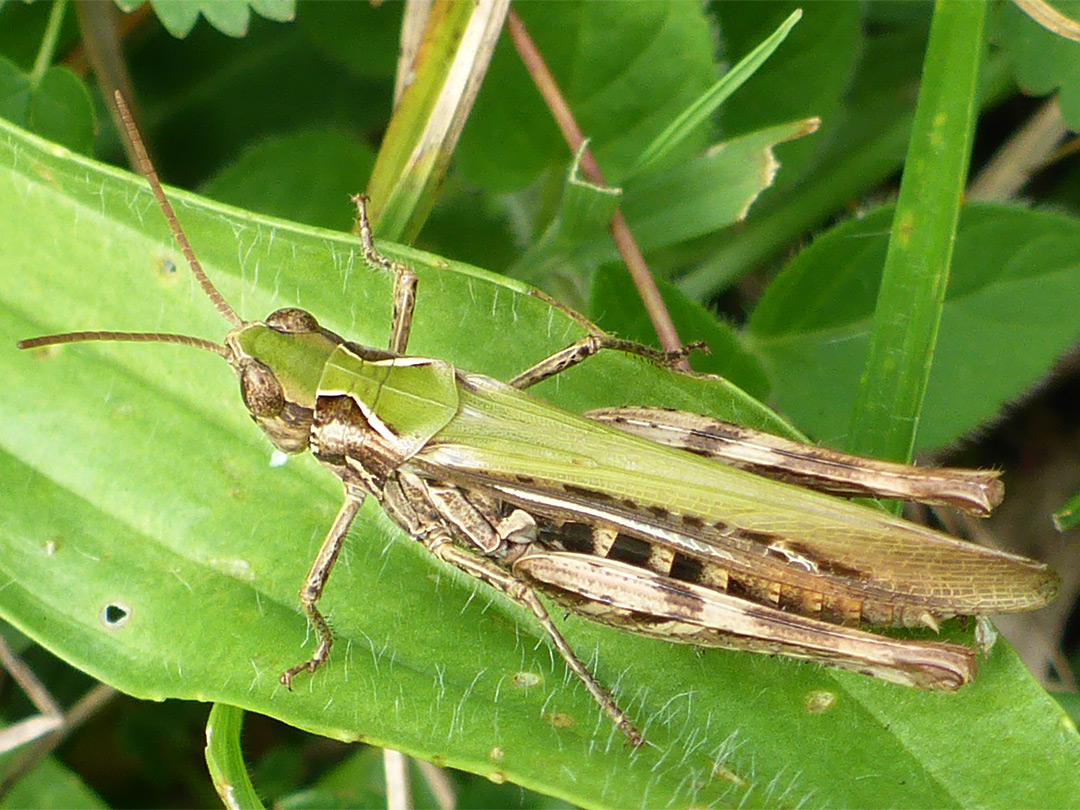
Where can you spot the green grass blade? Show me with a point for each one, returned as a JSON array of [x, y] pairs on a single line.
[[916, 270], [708, 102]]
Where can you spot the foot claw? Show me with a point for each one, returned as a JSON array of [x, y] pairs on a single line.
[[285, 679]]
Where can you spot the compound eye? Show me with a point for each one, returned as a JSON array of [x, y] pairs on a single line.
[[260, 389], [292, 321]]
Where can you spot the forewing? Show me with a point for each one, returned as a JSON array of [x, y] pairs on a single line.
[[524, 448]]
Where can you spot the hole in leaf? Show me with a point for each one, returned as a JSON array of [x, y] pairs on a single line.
[[115, 615]]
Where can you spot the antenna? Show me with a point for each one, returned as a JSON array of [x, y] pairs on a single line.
[[146, 168], [142, 161], [125, 337]]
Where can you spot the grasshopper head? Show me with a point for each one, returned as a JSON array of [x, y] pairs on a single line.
[[279, 362]]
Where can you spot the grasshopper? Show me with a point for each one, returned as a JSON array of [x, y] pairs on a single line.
[[657, 522]]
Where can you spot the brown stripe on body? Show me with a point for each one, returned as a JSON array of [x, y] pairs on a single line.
[[649, 554]]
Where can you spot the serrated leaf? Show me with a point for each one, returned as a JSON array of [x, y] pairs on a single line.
[[230, 17], [146, 539], [703, 194], [178, 17], [276, 10], [1011, 307]]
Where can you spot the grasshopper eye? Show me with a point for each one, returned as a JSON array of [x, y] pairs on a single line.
[[292, 320], [261, 390]]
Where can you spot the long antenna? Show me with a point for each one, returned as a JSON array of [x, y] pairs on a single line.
[[125, 337], [147, 169], [142, 159]]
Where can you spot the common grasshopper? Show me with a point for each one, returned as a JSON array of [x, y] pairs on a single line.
[[661, 523]]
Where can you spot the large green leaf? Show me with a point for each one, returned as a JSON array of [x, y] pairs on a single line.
[[145, 538]]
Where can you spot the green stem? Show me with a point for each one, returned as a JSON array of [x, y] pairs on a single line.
[[48, 43], [225, 760]]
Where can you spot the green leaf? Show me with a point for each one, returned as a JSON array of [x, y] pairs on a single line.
[[625, 69], [1010, 309], [861, 145], [58, 108], [703, 194], [709, 191], [1068, 516], [230, 17], [51, 785], [587, 208], [578, 233], [274, 176], [808, 77], [145, 537], [862, 142], [1042, 61]]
